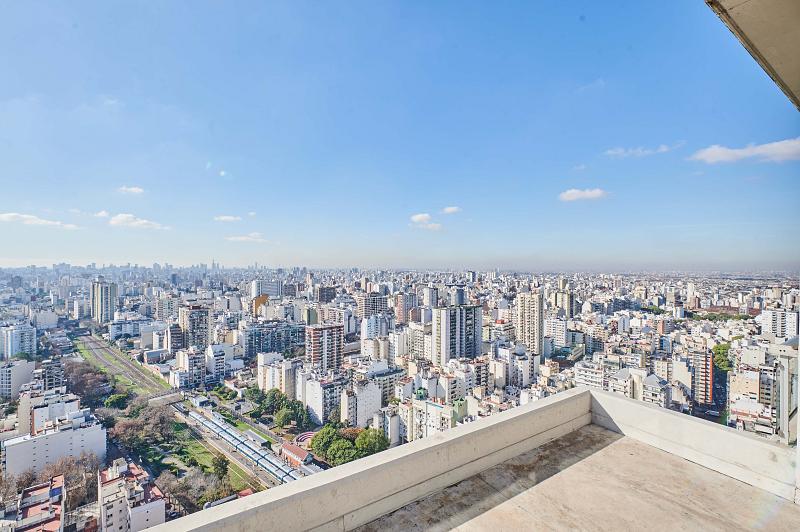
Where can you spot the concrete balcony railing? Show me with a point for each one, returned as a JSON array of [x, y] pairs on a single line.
[[357, 493]]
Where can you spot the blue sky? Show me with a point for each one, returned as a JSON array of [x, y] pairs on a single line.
[[569, 135]]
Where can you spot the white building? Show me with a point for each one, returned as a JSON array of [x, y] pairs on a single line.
[[17, 339], [65, 431], [103, 297], [456, 333], [588, 373], [557, 330], [13, 375], [529, 320], [128, 500], [360, 403], [779, 323]]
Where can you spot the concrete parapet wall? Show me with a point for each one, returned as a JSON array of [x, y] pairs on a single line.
[[347, 496], [746, 457]]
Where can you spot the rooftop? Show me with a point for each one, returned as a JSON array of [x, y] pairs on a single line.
[[595, 479]]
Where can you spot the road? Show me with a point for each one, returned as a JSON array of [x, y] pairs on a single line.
[[117, 363]]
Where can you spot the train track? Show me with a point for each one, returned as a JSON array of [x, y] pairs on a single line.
[[119, 364]]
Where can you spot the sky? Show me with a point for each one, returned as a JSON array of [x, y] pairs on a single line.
[[523, 135]]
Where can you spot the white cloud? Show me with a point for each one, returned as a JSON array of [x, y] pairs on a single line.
[[249, 237], [423, 221], [222, 173], [129, 220], [782, 150], [101, 214], [130, 190], [622, 153], [30, 219], [227, 218], [579, 167], [575, 194], [208, 165], [251, 213], [451, 210]]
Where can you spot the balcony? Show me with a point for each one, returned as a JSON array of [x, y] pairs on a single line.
[[582, 459]]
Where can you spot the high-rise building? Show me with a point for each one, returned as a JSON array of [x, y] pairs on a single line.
[[195, 322], [269, 336], [274, 288], [369, 303], [174, 338], [430, 296], [703, 378], [456, 333], [324, 294], [403, 303], [103, 299], [17, 339], [324, 346], [529, 320], [779, 323]]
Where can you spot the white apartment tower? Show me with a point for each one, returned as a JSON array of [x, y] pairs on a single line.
[[529, 320], [103, 300], [456, 333]]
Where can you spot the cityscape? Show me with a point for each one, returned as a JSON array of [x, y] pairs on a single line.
[[395, 294], [199, 385]]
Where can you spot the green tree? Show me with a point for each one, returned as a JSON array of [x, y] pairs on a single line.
[[220, 466], [273, 401], [341, 452], [284, 417], [322, 441], [371, 441], [117, 400], [721, 360], [254, 395]]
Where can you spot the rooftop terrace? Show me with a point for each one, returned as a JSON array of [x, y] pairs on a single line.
[[582, 459], [595, 479]]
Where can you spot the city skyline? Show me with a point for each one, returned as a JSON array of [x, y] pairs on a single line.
[[533, 138]]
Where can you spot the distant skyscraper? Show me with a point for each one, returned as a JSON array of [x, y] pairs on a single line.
[[324, 294], [457, 296], [456, 333], [370, 303], [430, 296], [324, 346], [403, 303], [529, 320], [195, 322], [274, 289], [103, 300]]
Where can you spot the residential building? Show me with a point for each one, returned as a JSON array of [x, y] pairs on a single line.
[[456, 333], [195, 323], [13, 374], [324, 346], [104, 300], [529, 320], [17, 339], [360, 403], [128, 499]]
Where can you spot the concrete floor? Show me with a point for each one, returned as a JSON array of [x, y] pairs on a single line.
[[594, 479]]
